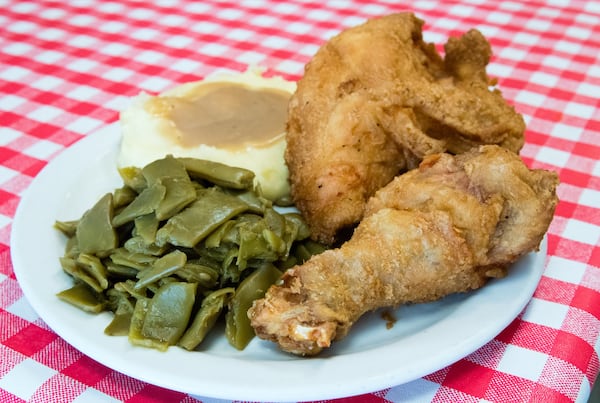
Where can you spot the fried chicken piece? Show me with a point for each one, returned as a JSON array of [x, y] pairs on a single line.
[[373, 102], [446, 227]]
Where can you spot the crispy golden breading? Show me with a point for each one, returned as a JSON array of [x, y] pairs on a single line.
[[443, 228], [373, 102]]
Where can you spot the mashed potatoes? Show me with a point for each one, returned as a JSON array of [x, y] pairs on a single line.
[[235, 119]]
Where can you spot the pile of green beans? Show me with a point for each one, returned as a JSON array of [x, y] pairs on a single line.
[[181, 244]]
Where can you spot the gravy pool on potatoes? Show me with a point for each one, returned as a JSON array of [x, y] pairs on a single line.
[[236, 119]]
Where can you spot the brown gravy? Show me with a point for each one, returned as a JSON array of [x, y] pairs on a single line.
[[225, 115]]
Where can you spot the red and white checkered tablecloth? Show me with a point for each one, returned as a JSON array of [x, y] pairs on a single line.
[[68, 68]]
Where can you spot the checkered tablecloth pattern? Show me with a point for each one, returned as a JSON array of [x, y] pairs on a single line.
[[68, 68]]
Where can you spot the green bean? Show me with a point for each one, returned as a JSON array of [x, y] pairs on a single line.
[[168, 312], [136, 325], [165, 167], [305, 250], [165, 266], [253, 245], [119, 271], [219, 174], [94, 232], [206, 317], [274, 242], [231, 271], [83, 297], [119, 300], [80, 273], [139, 245], [123, 196], [179, 193], [314, 248], [145, 203], [119, 325], [72, 248], [238, 330], [211, 209], [280, 233], [284, 201], [124, 257], [123, 308], [222, 233], [256, 203], [133, 178], [145, 226], [197, 273], [128, 286], [94, 268], [301, 253], [303, 229], [68, 228]]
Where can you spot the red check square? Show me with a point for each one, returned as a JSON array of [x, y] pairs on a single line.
[[87, 371], [151, 393], [572, 349], [469, 378], [30, 340]]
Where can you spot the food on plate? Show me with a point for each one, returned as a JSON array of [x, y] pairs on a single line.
[[181, 242], [237, 119], [373, 102], [415, 153], [446, 227]]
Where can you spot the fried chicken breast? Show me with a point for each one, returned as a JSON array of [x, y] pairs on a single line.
[[446, 227], [373, 102]]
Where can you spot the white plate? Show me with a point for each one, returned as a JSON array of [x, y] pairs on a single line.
[[426, 337]]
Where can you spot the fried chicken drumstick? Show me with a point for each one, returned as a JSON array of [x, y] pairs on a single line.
[[373, 102], [446, 227]]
